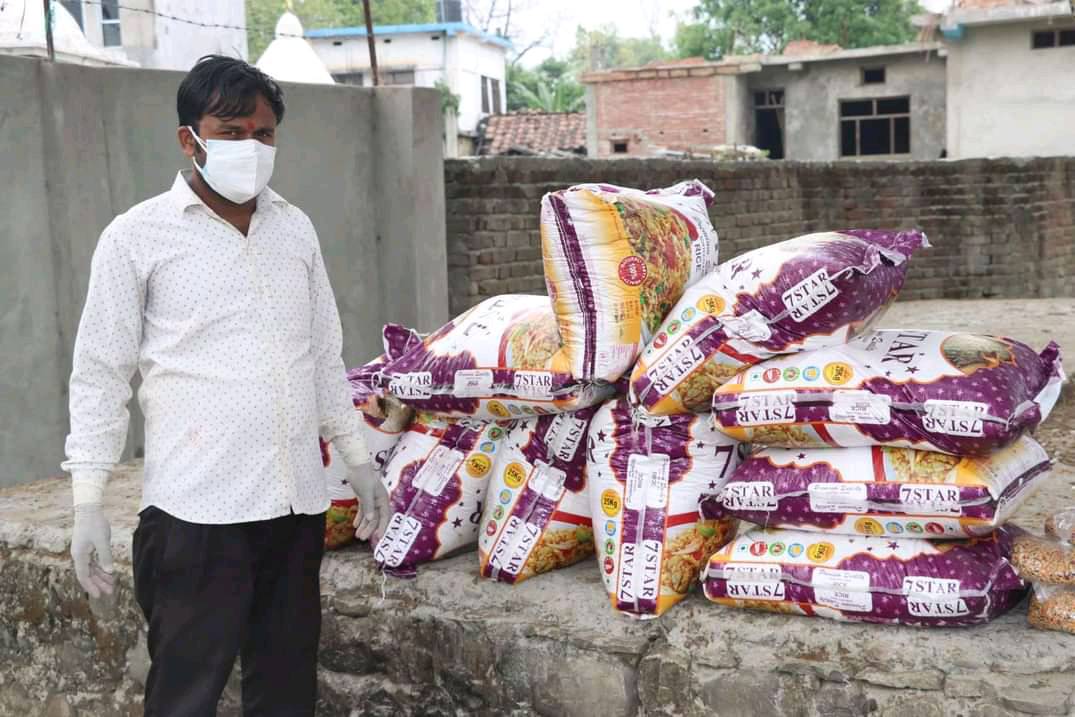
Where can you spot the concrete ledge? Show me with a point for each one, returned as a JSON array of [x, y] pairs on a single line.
[[450, 643]]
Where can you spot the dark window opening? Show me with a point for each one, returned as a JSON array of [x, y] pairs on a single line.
[[495, 87], [111, 35], [75, 8], [769, 131], [619, 146], [435, 37], [1066, 38], [873, 75], [769, 98], [399, 77], [388, 41], [875, 127], [349, 78], [485, 95], [337, 43], [1043, 39]]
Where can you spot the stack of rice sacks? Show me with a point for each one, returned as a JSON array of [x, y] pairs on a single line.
[[882, 474]]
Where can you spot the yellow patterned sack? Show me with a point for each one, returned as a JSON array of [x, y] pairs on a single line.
[[616, 262]]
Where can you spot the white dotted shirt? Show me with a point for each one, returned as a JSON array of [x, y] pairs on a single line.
[[238, 342]]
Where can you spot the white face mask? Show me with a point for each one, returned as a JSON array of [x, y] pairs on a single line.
[[236, 169]]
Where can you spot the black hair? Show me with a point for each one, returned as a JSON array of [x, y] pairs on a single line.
[[225, 87]]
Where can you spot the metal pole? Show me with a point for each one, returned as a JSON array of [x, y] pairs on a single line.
[[369, 38], [48, 31]]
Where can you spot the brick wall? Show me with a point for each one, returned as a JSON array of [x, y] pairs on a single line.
[[654, 109], [1002, 228]]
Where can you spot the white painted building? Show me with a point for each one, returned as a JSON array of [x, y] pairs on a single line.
[[22, 32], [162, 34], [472, 63], [1010, 77]]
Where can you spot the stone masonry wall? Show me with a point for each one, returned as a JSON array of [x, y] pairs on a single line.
[[999, 228]]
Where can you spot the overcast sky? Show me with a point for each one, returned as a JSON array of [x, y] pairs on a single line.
[[556, 20]]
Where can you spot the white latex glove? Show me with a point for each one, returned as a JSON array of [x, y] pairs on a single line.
[[374, 509], [91, 549]]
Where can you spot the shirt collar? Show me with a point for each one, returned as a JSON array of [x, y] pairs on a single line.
[[184, 197]]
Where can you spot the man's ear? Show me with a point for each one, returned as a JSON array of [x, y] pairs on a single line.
[[186, 142]]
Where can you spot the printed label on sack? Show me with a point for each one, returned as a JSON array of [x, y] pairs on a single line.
[[650, 584], [809, 295], [749, 495], [955, 418], [751, 326], [625, 591], [473, 382], [548, 481], [647, 481], [412, 385], [745, 581], [861, 407], [681, 358], [842, 589], [934, 597], [838, 497], [438, 469], [768, 407], [397, 540], [524, 545], [499, 554], [533, 384], [931, 499], [564, 436]]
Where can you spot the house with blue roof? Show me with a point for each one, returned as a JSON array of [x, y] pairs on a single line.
[[469, 62]]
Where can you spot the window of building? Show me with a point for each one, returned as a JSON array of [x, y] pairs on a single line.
[[110, 29], [75, 8], [875, 127], [873, 75], [491, 95], [1047, 39], [619, 146], [349, 78], [398, 77]]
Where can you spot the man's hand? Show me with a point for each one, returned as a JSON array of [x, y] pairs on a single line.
[[92, 535], [373, 505]]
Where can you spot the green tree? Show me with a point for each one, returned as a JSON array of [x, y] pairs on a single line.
[[261, 16], [604, 49], [725, 27], [549, 87]]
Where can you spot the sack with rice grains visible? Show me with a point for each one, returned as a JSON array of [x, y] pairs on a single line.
[[537, 515], [809, 292], [616, 262], [646, 485], [963, 394]]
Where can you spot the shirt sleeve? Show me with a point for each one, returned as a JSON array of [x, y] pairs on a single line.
[[340, 422], [105, 358]]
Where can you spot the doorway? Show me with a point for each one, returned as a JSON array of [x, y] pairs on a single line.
[[769, 122]]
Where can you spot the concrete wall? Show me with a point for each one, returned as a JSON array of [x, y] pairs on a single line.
[[1007, 100], [812, 102], [84, 144], [1002, 228]]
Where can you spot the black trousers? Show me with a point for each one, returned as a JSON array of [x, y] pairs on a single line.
[[214, 592]]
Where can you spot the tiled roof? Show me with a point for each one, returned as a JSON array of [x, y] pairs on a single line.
[[806, 48], [533, 132]]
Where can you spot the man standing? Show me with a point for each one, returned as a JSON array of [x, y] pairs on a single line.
[[217, 293]]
